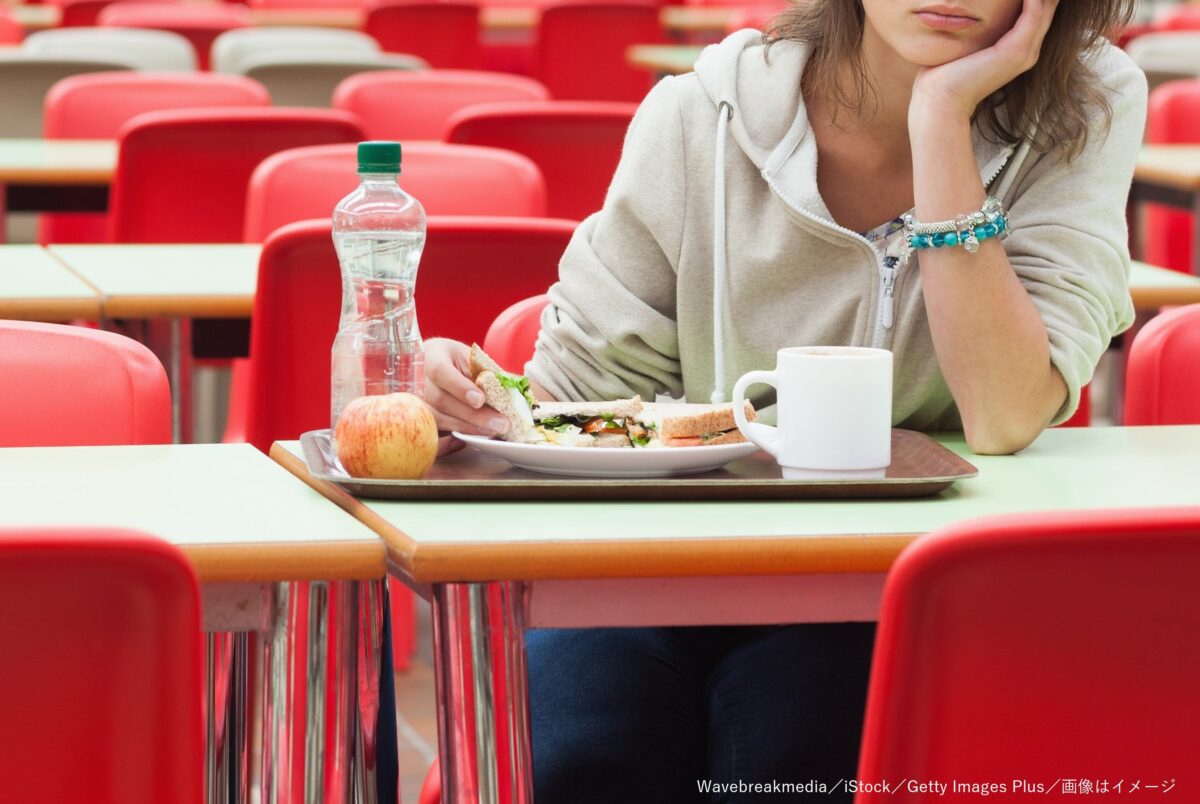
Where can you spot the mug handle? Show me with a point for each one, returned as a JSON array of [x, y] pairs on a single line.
[[764, 435]]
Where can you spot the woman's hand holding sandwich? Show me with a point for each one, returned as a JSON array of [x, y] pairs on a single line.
[[456, 400]]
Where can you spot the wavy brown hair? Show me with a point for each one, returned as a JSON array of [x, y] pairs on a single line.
[[1058, 93]]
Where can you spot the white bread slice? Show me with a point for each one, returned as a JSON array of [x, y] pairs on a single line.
[[520, 429], [609, 440], [684, 420], [480, 362], [617, 408]]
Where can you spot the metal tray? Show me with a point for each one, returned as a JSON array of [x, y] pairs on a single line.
[[920, 467]]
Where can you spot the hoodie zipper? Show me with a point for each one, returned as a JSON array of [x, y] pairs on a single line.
[[888, 266]]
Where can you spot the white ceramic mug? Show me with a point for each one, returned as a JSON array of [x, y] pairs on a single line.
[[834, 411]]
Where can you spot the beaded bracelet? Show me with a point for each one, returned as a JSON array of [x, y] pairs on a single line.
[[965, 230]]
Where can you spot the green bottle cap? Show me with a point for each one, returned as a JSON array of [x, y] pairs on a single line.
[[379, 156]]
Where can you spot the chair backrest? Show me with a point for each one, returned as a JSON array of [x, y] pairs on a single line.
[[143, 49], [102, 665], [199, 24], [317, 4], [445, 34], [306, 183], [96, 105], [74, 386], [181, 175], [308, 79], [27, 78], [511, 338], [471, 269], [1162, 385], [232, 47], [577, 144], [395, 105], [11, 31], [86, 13], [598, 71], [1017, 647], [1178, 18], [1174, 117]]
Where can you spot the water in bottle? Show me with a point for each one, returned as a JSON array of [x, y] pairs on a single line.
[[379, 233]]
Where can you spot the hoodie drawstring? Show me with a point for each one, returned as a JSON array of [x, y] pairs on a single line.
[[724, 113]]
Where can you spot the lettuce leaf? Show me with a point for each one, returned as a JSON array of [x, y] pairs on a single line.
[[520, 383]]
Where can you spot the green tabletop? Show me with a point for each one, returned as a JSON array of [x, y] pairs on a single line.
[[1151, 286], [1071, 468], [35, 286], [40, 161], [237, 514], [202, 280], [663, 59]]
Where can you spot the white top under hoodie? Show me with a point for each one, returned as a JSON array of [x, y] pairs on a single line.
[[714, 248]]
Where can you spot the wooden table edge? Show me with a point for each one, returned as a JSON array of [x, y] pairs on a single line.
[[1149, 298], [177, 306], [93, 177], [571, 560], [313, 561], [50, 309]]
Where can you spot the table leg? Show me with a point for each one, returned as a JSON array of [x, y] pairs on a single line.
[[180, 376], [275, 769], [226, 697], [317, 676], [483, 710]]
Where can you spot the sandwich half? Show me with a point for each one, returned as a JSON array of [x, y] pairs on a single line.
[[508, 394], [683, 424]]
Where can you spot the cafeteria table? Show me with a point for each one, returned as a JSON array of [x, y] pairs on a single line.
[[173, 282], [40, 175], [1170, 175], [36, 287], [267, 550], [495, 569], [663, 60]]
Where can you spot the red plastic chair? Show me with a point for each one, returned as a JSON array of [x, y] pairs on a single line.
[[305, 183], [1174, 117], [11, 32], [86, 13], [181, 175], [577, 144], [1016, 648], [471, 269], [1178, 18], [511, 338], [1162, 385], [415, 105], [96, 105], [445, 34], [200, 24], [100, 685], [74, 386], [599, 70]]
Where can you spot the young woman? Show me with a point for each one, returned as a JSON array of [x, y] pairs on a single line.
[[760, 203]]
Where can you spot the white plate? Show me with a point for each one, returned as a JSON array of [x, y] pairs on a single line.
[[611, 461]]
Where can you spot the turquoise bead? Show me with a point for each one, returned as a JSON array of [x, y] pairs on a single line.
[[980, 232], [914, 241], [1001, 224], [950, 239], [990, 229], [939, 240]]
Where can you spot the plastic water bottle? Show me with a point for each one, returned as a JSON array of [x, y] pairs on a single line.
[[379, 233]]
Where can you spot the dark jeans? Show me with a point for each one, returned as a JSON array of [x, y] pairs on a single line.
[[637, 715]]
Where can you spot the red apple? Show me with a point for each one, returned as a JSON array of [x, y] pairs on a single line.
[[390, 436]]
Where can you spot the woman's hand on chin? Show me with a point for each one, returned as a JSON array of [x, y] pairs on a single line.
[[953, 90]]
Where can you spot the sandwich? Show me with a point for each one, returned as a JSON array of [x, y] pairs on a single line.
[[627, 423]]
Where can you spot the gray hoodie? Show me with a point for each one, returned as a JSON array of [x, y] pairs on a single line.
[[717, 188]]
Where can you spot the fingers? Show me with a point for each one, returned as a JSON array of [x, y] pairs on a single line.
[[457, 402], [448, 444], [453, 414]]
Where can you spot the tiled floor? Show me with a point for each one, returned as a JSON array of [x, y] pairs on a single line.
[[416, 711]]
